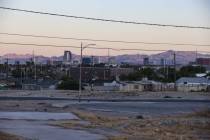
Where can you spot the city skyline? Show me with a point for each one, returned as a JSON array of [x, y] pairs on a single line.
[[104, 69]]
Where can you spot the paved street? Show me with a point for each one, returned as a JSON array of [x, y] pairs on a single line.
[[24, 98], [143, 108], [35, 125]]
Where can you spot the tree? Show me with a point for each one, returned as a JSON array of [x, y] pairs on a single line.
[[208, 74], [166, 75], [16, 73], [191, 71], [139, 75], [68, 83]]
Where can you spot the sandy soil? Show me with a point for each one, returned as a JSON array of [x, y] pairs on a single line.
[[194, 126]]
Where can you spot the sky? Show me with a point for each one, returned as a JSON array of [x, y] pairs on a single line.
[[178, 12]]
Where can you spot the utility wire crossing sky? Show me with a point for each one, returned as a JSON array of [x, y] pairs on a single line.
[[145, 25], [106, 20]]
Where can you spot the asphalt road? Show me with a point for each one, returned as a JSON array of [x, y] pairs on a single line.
[[141, 108], [35, 126], [151, 107], [22, 98]]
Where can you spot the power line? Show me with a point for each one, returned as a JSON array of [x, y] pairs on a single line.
[[103, 40], [55, 46], [60, 46], [106, 20], [143, 50], [96, 48], [39, 45]]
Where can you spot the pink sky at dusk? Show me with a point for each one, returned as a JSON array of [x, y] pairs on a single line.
[[190, 12]]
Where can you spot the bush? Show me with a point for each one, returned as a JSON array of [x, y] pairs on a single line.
[[68, 84]]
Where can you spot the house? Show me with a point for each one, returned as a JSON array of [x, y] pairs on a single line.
[[101, 85], [131, 86], [144, 85], [3, 86], [47, 84], [7, 84], [3, 76], [39, 84], [30, 87], [168, 87], [113, 83], [208, 88], [201, 74], [192, 84]]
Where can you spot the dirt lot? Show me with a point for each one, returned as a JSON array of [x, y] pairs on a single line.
[[194, 126]]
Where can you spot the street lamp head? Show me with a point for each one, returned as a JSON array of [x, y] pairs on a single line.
[[88, 45]]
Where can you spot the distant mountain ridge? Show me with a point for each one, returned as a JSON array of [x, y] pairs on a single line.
[[182, 57]]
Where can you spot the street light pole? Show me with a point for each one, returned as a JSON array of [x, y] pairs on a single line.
[[108, 56], [80, 76], [175, 76]]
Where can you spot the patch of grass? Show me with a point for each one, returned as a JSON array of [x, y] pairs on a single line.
[[118, 138], [99, 120], [205, 113], [5, 136], [75, 124], [164, 128], [93, 121]]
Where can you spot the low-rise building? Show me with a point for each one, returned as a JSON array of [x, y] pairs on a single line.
[[192, 84], [30, 87], [3, 86], [203, 61], [131, 86], [144, 85], [103, 86], [3, 76]]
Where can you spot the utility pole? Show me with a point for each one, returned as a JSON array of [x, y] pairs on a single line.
[[174, 70], [7, 67], [104, 73], [80, 72], [108, 56], [167, 71], [34, 60], [80, 75], [0, 65], [21, 75], [92, 72], [196, 53]]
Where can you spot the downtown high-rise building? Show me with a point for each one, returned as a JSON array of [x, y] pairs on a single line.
[[67, 58]]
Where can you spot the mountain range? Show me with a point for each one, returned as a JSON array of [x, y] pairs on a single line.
[[182, 57]]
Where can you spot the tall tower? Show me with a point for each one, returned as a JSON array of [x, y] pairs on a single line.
[[67, 58], [146, 61]]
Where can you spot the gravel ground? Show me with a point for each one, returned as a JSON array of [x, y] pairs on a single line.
[[191, 126], [195, 126]]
